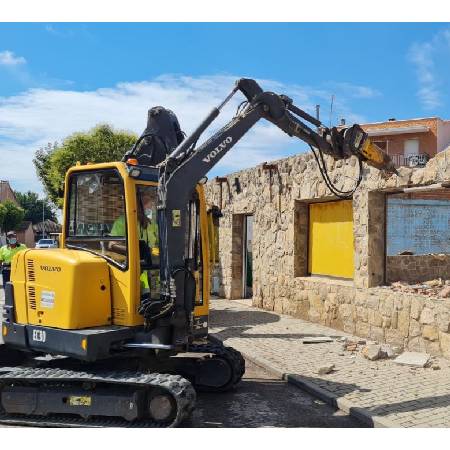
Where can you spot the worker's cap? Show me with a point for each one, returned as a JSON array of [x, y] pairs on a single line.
[[11, 234]]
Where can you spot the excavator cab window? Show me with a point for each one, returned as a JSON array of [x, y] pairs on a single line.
[[96, 219], [146, 197]]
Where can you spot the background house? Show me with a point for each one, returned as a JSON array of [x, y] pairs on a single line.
[[46, 229], [6, 193], [25, 234], [410, 142]]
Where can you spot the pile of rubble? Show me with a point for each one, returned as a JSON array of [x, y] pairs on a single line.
[[373, 351], [370, 350], [434, 288]]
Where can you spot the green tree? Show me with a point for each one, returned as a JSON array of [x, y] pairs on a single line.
[[10, 215], [100, 144], [32, 206], [2, 215]]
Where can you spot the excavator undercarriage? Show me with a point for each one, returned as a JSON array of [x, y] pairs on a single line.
[[126, 391]]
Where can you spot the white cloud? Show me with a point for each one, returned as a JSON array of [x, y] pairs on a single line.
[[425, 56], [38, 116], [355, 91], [8, 58], [68, 31]]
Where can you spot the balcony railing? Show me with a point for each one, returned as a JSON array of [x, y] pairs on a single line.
[[419, 160]]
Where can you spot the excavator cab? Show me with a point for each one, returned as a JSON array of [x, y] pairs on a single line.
[[95, 285], [112, 213]]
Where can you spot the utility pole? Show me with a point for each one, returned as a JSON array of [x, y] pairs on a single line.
[[43, 217], [331, 110]]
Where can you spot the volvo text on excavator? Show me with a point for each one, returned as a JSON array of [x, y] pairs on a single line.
[[111, 328]]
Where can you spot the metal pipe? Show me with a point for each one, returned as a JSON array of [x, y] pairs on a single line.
[[43, 217], [148, 345]]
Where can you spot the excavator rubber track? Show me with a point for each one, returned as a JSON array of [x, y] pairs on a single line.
[[174, 386], [233, 358]]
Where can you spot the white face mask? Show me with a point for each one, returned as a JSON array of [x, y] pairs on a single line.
[[148, 213]]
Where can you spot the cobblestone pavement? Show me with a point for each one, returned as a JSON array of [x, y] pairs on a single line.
[[264, 400], [380, 391]]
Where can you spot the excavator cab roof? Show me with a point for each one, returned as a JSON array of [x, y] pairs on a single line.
[[136, 171]]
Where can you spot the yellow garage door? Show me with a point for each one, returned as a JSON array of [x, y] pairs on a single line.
[[331, 239]]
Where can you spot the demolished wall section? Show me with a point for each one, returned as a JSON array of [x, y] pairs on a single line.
[[417, 268]]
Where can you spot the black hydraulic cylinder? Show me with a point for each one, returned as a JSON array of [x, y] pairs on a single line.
[[299, 112], [186, 144]]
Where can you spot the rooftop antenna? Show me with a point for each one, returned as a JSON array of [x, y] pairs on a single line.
[[331, 108], [318, 113]]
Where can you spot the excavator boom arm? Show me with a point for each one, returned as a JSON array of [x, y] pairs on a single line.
[[187, 164]]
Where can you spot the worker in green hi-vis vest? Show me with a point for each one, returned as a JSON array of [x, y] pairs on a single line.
[[7, 252], [147, 231]]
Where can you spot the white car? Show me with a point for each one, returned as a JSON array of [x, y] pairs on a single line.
[[46, 243]]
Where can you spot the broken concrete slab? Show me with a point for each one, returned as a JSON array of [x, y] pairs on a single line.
[[387, 351], [372, 352], [415, 359], [323, 370], [317, 340], [435, 282]]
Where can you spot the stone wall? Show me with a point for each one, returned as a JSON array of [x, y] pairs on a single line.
[[279, 204], [417, 268], [408, 321]]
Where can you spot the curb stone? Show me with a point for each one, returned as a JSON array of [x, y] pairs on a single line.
[[360, 414]]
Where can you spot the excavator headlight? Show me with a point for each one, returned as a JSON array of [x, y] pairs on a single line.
[[135, 173], [4, 330], [84, 344]]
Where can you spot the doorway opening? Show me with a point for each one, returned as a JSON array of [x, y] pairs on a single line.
[[247, 257]]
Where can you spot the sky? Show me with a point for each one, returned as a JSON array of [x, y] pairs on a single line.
[[56, 79]]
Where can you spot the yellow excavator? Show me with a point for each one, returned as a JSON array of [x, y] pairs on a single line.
[[111, 328]]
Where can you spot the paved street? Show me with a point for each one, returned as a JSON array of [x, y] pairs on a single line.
[[389, 394], [263, 400]]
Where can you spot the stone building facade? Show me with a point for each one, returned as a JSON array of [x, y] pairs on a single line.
[[278, 196]]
